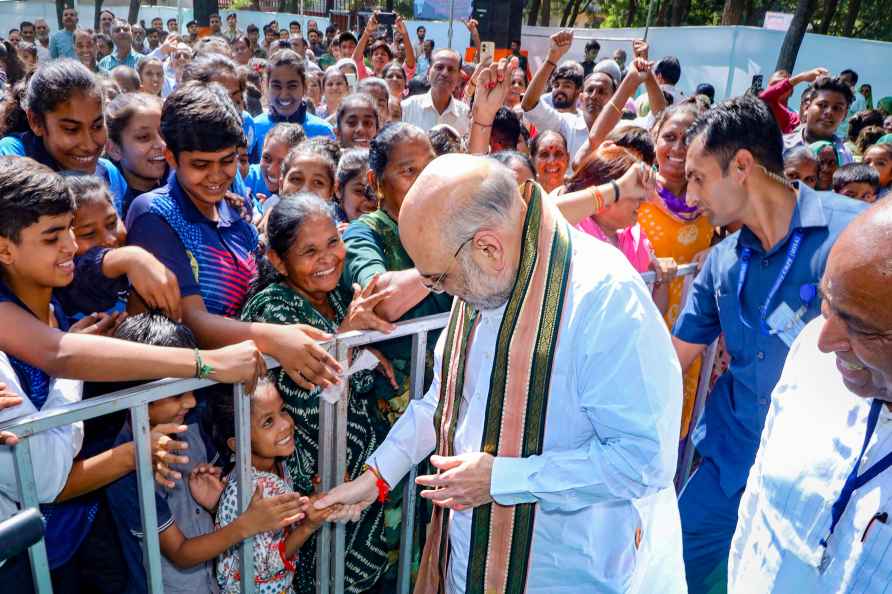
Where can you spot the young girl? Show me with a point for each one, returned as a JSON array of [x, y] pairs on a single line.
[[314, 87], [285, 87], [879, 156], [357, 121], [59, 122], [264, 177], [353, 194], [334, 88], [135, 143], [272, 440], [309, 168], [151, 76], [104, 270]]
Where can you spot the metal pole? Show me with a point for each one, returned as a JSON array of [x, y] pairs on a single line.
[[24, 472], [407, 529], [179, 15], [327, 420], [139, 421], [244, 476], [340, 467], [451, 19]]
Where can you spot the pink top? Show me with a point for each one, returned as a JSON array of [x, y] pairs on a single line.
[[633, 242]]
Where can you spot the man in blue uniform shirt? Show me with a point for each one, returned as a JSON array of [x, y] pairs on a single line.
[[759, 288]]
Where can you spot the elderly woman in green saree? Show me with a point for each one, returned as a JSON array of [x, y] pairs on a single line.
[[299, 283]]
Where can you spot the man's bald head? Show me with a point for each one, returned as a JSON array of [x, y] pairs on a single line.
[[463, 200], [858, 312], [458, 193]]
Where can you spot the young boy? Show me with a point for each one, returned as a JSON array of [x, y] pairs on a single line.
[[826, 108], [858, 181], [189, 226], [189, 542]]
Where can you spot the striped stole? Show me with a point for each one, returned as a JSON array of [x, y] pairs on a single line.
[[514, 426]]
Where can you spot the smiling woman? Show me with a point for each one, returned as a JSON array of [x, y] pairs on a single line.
[[59, 122], [299, 284]]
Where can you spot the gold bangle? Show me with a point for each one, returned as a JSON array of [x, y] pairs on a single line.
[[613, 105]]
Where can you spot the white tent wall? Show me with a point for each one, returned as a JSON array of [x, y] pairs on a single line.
[[728, 57], [12, 13]]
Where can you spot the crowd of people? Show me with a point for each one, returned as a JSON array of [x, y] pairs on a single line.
[[178, 205]]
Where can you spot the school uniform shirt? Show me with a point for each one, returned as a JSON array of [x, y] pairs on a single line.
[[796, 139], [27, 144], [256, 185], [729, 429], [420, 111], [313, 126], [53, 451], [91, 291], [174, 506], [813, 436], [111, 61], [214, 259]]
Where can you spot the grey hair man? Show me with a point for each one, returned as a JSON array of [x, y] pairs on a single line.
[[555, 403]]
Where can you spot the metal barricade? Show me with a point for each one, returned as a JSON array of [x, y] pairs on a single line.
[[332, 456]]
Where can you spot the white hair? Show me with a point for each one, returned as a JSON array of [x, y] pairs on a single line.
[[490, 206]]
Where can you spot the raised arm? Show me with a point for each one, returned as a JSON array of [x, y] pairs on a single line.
[[371, 27], [560, 45], [636, 184], [476, 43], [407, 42], [492, 87]]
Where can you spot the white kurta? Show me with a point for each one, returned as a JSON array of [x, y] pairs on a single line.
[[812, 437], [611, 440]]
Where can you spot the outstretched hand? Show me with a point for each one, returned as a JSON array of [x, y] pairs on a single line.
[[352, 497]]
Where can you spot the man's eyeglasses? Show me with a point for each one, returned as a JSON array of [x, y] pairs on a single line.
[[437, 285]]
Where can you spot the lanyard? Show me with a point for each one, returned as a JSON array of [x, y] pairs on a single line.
[[856, 481], [745, 257]]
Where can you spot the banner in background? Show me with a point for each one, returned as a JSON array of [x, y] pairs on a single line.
[[439, 9]]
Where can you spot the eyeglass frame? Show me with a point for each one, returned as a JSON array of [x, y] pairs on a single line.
[[437, 285]]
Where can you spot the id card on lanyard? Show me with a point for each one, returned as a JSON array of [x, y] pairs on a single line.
[[855, 480], [783, 322]]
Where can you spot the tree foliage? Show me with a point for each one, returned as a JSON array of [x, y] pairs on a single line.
[[870, 19]]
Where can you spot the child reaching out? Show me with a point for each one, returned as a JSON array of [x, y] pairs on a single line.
[[272, 439], [188, 539], [102, 267]]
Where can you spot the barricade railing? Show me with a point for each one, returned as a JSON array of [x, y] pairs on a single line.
[[332, 456]]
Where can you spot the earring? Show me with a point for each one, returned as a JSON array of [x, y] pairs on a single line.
[[380, 197]]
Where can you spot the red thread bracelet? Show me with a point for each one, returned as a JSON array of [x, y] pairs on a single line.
[[380, 483]]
